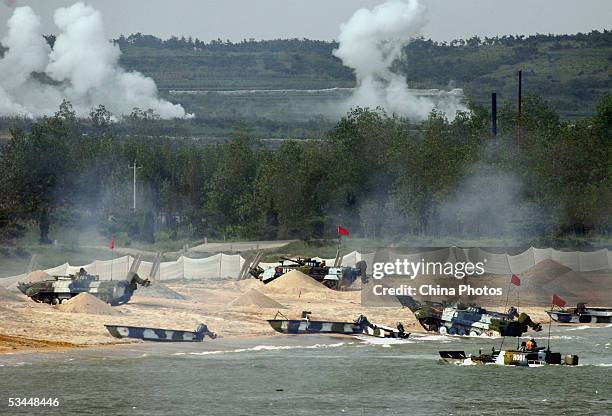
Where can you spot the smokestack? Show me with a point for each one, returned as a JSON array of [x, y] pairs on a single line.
[[494, 114]]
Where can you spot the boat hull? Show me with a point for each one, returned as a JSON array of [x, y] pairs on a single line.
[[156, 334], [306, 326], [581, 318], [301, 326], [510, 358]]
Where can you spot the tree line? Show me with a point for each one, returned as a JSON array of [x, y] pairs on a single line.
[[377, 174]]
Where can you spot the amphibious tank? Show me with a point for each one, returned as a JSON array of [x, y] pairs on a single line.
[[469, 320], [514, 358], [60, 288], [330, 276]]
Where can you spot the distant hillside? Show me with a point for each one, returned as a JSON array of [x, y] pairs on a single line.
[[276, 64], [570, 71]]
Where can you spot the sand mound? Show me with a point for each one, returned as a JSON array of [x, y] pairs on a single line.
[[544, 272], [255, 298], [7, 295], [295, 281], [38, 276], [250, 284], [86, 303], [159, 290]]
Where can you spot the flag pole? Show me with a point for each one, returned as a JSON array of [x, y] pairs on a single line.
[[112, 261], [112, 249], [518, 305], [549, 325], [508, 294]]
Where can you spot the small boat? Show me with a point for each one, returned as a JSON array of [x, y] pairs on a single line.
[[514, 358], [159, 334], [582, 314], [361, 326]]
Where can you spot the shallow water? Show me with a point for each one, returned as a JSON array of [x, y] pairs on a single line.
[[312, 375]]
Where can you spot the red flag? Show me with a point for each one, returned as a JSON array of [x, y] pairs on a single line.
[[558, 301], [516, 281], [343, 231], [111, 246]]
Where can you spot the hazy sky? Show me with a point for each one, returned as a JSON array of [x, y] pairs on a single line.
[[320, 19]]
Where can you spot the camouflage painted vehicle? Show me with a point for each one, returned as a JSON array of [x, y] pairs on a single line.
[[361, 326], [54, 291], [582, 314], [513, 358], [159, 334], [330, 276], [469, 320]]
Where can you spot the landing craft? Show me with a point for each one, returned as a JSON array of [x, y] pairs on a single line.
[[468, 320], [159, 334], [361, 326], [60, 288], [581, 314]]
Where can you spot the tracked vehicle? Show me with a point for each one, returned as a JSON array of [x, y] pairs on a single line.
[[60, 288], [469, 320], [334, 277]]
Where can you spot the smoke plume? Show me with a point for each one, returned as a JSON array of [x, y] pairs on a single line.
[[83, 67], [370, 42]]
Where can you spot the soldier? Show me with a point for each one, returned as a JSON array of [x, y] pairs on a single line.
[[531, 345]]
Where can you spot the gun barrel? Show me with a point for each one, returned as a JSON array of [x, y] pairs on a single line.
[[298, 261]]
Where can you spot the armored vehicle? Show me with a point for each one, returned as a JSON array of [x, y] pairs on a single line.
[[516, 358], [331, 276], [469, 320], [54, 291]]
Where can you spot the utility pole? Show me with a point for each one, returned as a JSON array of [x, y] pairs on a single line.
[[134, 167], [520, 107]]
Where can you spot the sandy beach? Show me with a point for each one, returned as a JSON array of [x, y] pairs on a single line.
[[230, 308]]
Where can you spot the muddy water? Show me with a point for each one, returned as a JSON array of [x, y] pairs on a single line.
[[311, 375]]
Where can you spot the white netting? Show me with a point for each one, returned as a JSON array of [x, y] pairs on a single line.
[[172, 270], [521, 262], [594, 260], [226, 265], [566, 258]]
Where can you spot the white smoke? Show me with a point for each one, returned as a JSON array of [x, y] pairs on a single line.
[[83, 67], [370, 42]]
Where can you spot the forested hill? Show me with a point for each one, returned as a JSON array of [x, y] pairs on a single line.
[[570, 71]]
